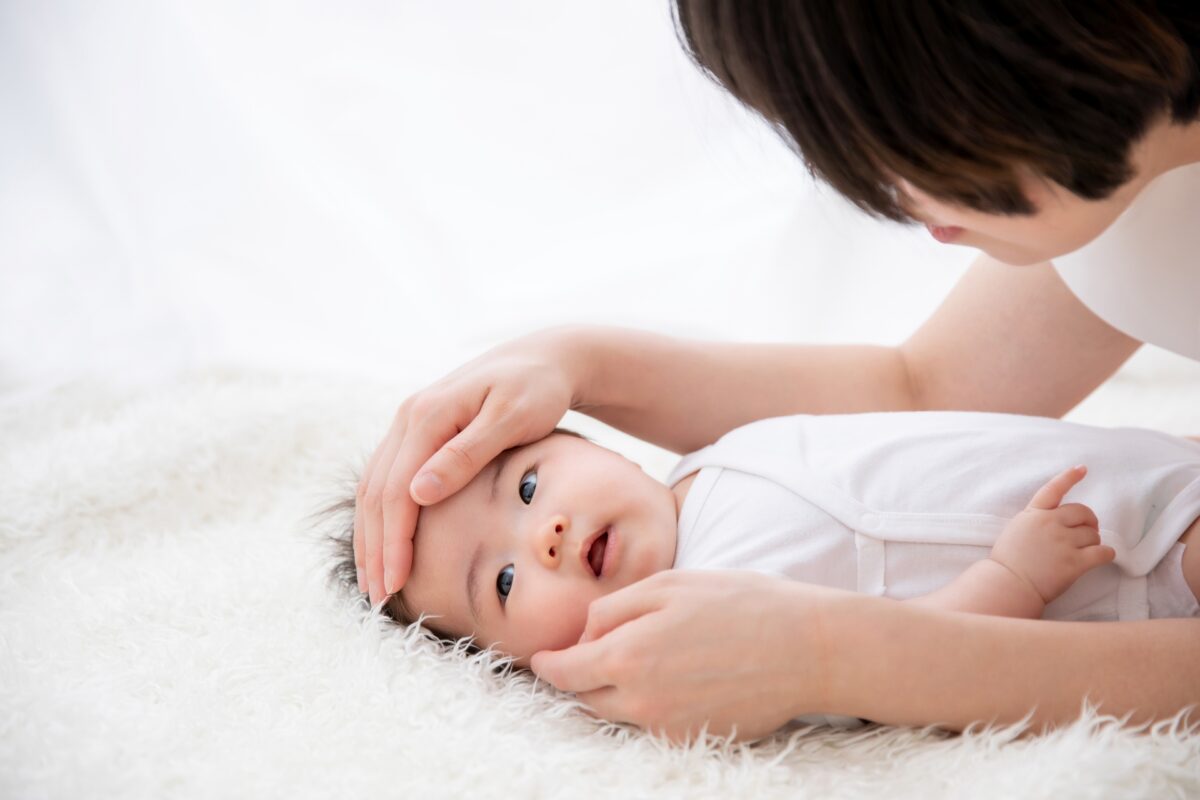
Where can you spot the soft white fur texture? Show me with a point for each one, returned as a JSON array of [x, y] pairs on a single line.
[[166, 630]]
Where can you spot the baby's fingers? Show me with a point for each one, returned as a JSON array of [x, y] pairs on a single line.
[[1076, 514], [1097, 556], [1052, 493], [1081, 535]]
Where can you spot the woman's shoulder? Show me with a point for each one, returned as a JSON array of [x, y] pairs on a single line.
[[1142, 275]]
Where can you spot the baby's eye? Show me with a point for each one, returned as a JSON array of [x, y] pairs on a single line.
[[504, 583], [527, 486]]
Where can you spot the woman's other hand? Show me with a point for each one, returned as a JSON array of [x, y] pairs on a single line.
[[442, 436], [685, 649]]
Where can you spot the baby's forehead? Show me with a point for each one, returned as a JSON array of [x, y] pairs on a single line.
[[461, 512], [446, 535], [556, 441], [443, 528], [442, 545], [465, 511], [483, 480]]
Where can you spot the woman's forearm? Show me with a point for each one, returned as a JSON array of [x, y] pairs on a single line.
[[906, 665], [1010, 340], [683, 394]]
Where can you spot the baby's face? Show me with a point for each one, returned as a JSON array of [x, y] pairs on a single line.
[[516, 556]]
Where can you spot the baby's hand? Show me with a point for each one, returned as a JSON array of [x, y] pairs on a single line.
[[1049, 545]]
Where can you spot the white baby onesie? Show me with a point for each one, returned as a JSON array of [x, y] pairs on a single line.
[[899, 504]]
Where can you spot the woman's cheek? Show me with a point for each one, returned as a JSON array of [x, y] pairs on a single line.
[[1063, 228]]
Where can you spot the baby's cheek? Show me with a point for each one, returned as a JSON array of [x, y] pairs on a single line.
[[553, 618]]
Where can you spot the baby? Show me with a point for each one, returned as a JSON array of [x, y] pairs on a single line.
[[948, 509]]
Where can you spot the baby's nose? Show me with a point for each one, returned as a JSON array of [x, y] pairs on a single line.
[[548, 540]]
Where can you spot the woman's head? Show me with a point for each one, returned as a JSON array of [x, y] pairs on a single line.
[[1016, 121]]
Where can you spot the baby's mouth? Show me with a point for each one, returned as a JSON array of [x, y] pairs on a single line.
[[595, 554]]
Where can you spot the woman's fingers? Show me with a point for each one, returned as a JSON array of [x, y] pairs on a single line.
[[584, 667], [399, 514], [589, 665], [623, 605], [453, 465], [370, 501], [429, 426], [601, 703], [360, 557], [360, 516], [689, 650], [1052, 493], [579, 668]]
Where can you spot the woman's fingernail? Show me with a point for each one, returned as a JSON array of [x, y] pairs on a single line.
[[427, 487], [389, 583], [362, 580]]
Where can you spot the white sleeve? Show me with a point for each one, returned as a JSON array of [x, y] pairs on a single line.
[[1142, 275]]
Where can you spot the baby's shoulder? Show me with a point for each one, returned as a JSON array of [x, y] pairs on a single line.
[[725, 490]]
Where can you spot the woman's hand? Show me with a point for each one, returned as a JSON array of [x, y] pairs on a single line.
[[443, 435], [686, 648]]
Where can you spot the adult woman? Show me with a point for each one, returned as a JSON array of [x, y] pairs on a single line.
[[1027, 129]]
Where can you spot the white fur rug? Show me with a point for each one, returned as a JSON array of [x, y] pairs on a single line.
[[166, 630]]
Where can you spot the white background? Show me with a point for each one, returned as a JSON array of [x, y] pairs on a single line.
[[387, 188]]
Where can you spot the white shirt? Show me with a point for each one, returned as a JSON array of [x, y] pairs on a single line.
[[1142, 275]]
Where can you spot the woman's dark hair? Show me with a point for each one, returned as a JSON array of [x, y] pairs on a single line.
[[959, 97]]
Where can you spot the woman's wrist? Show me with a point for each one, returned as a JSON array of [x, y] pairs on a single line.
[[859, 642], [815, 645], [579, 350], [597, 363]]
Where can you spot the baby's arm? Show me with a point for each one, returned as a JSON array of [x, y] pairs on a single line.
[[1037, 557]]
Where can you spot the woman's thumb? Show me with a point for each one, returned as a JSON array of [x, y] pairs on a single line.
[[427, 488], [457, 462]]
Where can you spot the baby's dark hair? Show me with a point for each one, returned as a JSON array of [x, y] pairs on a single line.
[[338, 517]]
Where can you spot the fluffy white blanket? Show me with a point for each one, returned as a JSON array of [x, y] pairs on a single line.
[[166, 630]]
